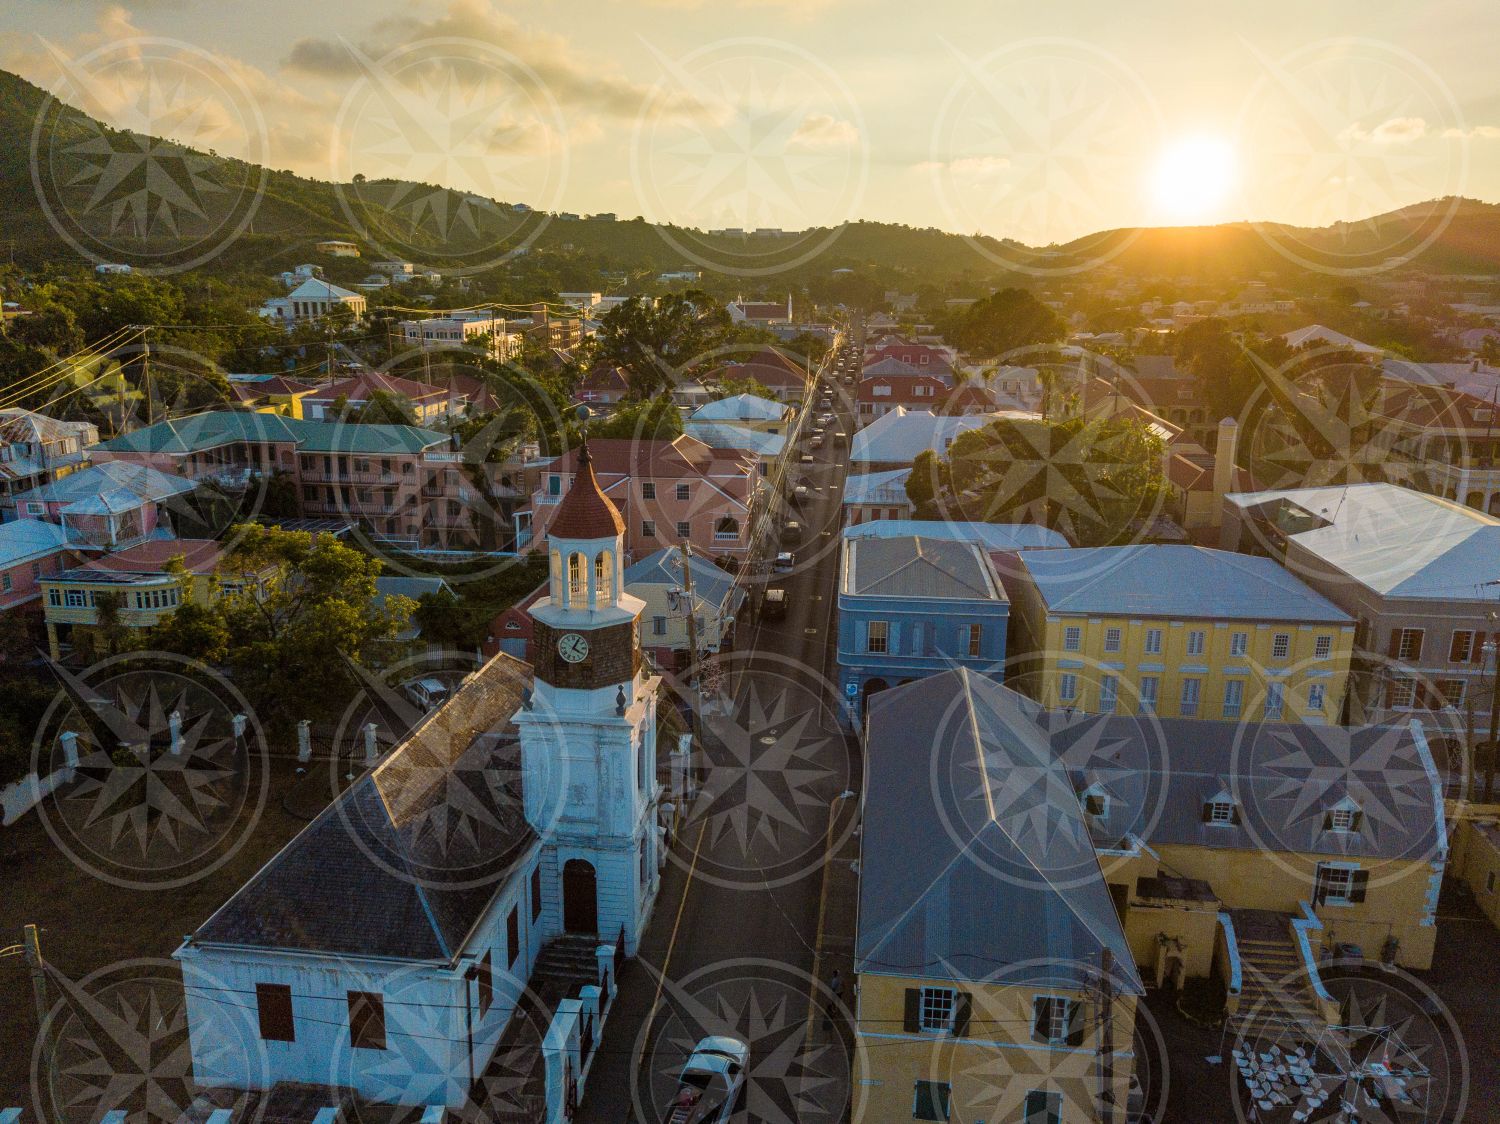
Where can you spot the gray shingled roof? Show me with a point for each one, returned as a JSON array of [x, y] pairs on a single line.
[[915, 566], [976, 863], [1282, 777], [406, 861], [1169, 580]]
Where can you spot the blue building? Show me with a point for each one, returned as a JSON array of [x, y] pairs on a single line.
[[913, 606]]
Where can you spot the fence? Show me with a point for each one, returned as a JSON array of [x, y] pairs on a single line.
[[572, 1040]]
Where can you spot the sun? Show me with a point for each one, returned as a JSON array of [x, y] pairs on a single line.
[[1193, 178]]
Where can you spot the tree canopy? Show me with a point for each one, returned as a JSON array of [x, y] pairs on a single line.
[[653, 341]]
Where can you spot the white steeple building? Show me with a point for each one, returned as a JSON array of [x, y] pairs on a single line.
[[588, 729]]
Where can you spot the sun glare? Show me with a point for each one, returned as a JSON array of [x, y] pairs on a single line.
[[1193, 178]]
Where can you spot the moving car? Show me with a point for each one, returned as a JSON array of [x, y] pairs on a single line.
[[791, 531], [712, 1085], [785, 563], [773, 605]]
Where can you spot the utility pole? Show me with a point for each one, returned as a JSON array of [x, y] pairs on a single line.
[[33, 950], [1106, 1039], [695, 670], [146, 375]]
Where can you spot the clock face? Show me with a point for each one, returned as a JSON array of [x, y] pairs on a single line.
[[572, 647]]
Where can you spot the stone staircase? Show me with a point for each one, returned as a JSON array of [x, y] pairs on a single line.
[[564, 965], [1276, 997]]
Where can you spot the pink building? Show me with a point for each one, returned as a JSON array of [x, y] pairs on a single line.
[[667, 491], [30, 550]]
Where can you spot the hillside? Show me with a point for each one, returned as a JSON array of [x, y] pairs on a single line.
[[264, 220]]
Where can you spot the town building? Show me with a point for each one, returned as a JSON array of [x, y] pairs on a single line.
[[429, 405], [1417, 573], [876, 495], [270, 394], [110, 505], [894, 440], [36, 449], [383, 953], [658, 581], [759, 314], [994, 978], [1177, 631], [31, 550], [139, 586], [397, 482], [747, 410], [335, 248], [910, 607], [314, 299], [778, 371], [458, 329], [667, 492]]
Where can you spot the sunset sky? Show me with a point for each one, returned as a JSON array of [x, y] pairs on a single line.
[[1040, 122]]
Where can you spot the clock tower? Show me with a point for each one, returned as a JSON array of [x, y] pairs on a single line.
[[588, 728]]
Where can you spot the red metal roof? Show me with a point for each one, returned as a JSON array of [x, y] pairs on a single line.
[[585, 512]]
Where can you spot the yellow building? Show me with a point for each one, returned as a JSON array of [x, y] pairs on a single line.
[[1476, 858], [138, 587], [1022, 870], [1178, 631], [995, 980]]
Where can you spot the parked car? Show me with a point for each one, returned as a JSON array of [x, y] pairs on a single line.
[[427, 693], [791, 531], [785, 563], [712, 1086]]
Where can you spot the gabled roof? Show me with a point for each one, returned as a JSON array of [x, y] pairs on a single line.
[[890, 365], [888, 486], [199, 556], [976, 863], [682, 456], [1393, 540], [991, 536], [315, 288], [1318, 335], [711, 584], [1170, 580], [736, 437], [741, 407], [406, 861], [215, 428], [23, 540], [107, 487], [897, 437], [915, 567], [362, 386]]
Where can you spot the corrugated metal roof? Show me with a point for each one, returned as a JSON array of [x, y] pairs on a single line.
[[741, 407], [877, 487], [110, 486], [216, 428], [711, 584], [1396, 541], [992, 536], [976, 862], [24, 539], [919, 567], [1170, 580]]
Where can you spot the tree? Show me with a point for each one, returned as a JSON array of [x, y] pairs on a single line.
[[653, 342], [656, 419], [1004, 321], [729, 387], [925, 479], [1219, 364], [196, 631], [384, 408]]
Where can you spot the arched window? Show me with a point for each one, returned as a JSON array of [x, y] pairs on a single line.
[[577, 581], [558, 595], [604, 577]]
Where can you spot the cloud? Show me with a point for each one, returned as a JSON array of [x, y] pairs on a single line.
[[478, 43], [966, 169], [1475, 132], [819, 132]]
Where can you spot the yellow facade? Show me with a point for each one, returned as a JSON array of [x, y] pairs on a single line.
[[1476, 858], [1067, 661], [988, 1072]]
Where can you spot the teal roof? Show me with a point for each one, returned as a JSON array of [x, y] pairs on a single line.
[[225, 427]]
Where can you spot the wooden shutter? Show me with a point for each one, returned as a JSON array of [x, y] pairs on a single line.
[[911, 1021], [513, 936], [1208, 811], [1358, 884], [1075, 1022], [366, 1020], [274, 1003], [486, 973], [963, 1006], [536, 891], [1393, 649]]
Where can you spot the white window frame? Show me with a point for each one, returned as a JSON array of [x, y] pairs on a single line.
[[1150, 691], [1190, 697], [1323, 646], [1114, 639], [1234, 697], [1073, 638], [936, 1008], [1345, 872], [1281, 645], [1196, 641], [1057, 1017], [1239, 643], [1221, 813], [1274, 705], [1109, 694], [1153, 642], [1067, 687], [1317, 696]]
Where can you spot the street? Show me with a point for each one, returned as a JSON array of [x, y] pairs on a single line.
[[756, 910]]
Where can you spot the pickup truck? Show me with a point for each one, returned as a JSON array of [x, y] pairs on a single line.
[[712, 1084]]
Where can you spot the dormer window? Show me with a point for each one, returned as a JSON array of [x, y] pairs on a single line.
[[1221, 811], [1344, 816]]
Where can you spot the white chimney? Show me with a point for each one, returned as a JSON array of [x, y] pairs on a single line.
[[1224, 454]]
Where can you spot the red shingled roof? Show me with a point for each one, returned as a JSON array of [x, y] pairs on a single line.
[[585, 512]]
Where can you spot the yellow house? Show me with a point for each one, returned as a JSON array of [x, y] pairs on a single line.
[[1178, 631], [270, 394], [1476, 858], [994, 979], [140, 585]]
